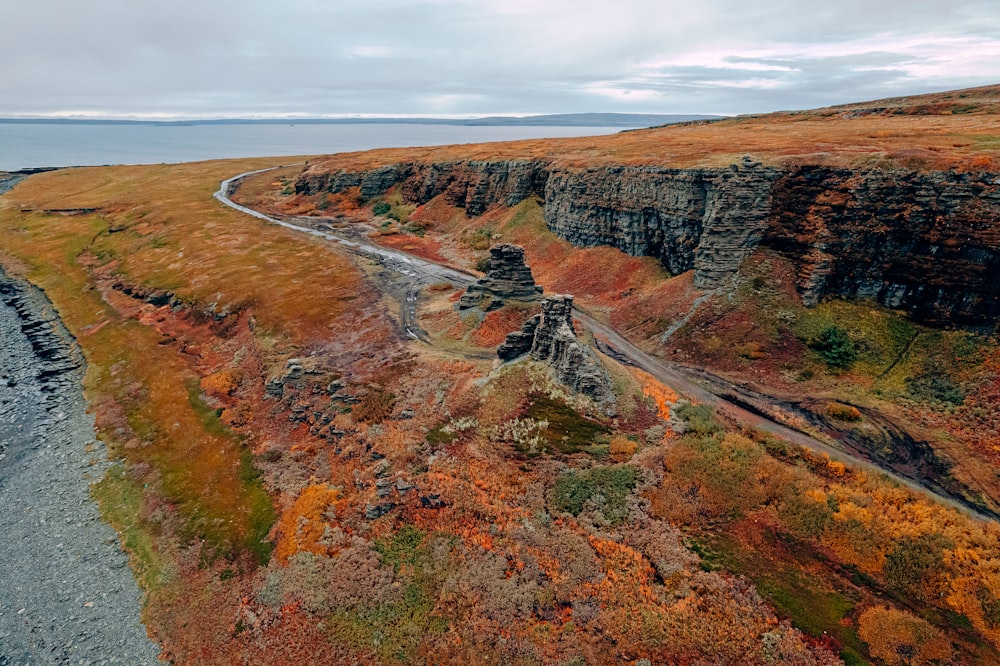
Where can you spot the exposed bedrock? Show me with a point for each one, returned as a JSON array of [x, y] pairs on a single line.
[[473, 185], [508, 279], [549, 337], [927, 243], [705, 219]]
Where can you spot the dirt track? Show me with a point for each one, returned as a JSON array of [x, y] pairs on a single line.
[[691, 383]]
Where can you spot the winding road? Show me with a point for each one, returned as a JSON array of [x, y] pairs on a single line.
[[418, 273]]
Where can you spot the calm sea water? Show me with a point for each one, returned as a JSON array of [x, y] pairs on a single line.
[[27, 145]]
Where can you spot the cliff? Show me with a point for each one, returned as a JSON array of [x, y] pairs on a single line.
[[924, 242]]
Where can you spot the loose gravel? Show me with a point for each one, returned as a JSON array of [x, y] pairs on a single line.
[[67, 595]]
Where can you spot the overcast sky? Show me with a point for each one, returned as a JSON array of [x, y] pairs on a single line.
[[226, 58]]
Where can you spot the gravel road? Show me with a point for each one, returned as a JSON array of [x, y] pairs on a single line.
[[691, 383], [67, 595]]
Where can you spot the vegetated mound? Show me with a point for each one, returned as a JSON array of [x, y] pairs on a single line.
[[984, 100]]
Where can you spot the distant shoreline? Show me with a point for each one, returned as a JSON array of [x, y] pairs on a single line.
[[623, 120]]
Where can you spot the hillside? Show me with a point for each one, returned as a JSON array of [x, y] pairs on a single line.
[[321, 459]]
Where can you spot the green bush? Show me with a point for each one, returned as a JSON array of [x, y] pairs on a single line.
[[835, 347], [568, 431], [700, 419], [381, 208], [608, 488], [914, 565], [934, 383]]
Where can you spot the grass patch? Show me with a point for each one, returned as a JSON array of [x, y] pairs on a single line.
[[120, 501], [700, 419], [402, 548], [794, 592], [568, 431], [395, 630]]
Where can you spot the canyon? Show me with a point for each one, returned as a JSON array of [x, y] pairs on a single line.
[[927, 243]]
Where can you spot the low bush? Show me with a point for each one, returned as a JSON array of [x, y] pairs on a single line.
[[835, 347], [606, 489]]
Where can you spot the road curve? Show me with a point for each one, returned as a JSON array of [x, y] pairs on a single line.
[[424, 272]]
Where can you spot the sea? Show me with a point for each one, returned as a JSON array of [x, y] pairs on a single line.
[[28, 145]]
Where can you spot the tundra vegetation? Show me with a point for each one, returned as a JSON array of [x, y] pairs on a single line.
[[299, 482]]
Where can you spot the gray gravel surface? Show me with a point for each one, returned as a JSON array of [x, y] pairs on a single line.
[[67, 595]]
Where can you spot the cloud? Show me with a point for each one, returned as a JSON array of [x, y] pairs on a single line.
[[116, 57]]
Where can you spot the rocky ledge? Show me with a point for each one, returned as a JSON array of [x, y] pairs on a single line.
[[549, 337], [924, 242], [507, 279]]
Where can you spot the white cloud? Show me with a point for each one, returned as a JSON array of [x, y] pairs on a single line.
[[371, 52], [194, 58]]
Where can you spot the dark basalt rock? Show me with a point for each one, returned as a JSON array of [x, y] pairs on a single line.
[[519, 343], [508, 278], [550, 338], [927, 243], [472, 185]]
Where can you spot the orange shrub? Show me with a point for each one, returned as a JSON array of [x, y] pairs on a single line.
[[302, 525], [897, 637], [843, 412], [623, 446], [221, 383]]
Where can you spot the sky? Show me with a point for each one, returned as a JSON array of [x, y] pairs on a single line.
[[249, 58]]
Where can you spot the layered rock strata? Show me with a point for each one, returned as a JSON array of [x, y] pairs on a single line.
[[927, 243], [472, 185], [507, 279], [549, 337]]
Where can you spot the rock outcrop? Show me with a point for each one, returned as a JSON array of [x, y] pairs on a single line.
[[507, 279], [472, 185], [927, 243], [549, 337]]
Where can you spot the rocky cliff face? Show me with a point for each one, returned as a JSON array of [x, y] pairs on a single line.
[[549, 337], [928, 243], [705, 219], [472, 185]]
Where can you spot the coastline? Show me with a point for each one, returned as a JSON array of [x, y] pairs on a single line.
[[68, 595]]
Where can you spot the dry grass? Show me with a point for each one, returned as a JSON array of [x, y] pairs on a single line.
[[930, 131]]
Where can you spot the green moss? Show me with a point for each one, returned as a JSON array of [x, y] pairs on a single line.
[[607, 488], [811, 606], [402, 548], [568, 430], [528, 214], [439, 436], [481, 238], [393, 631], [120, 502], [700, 419]]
